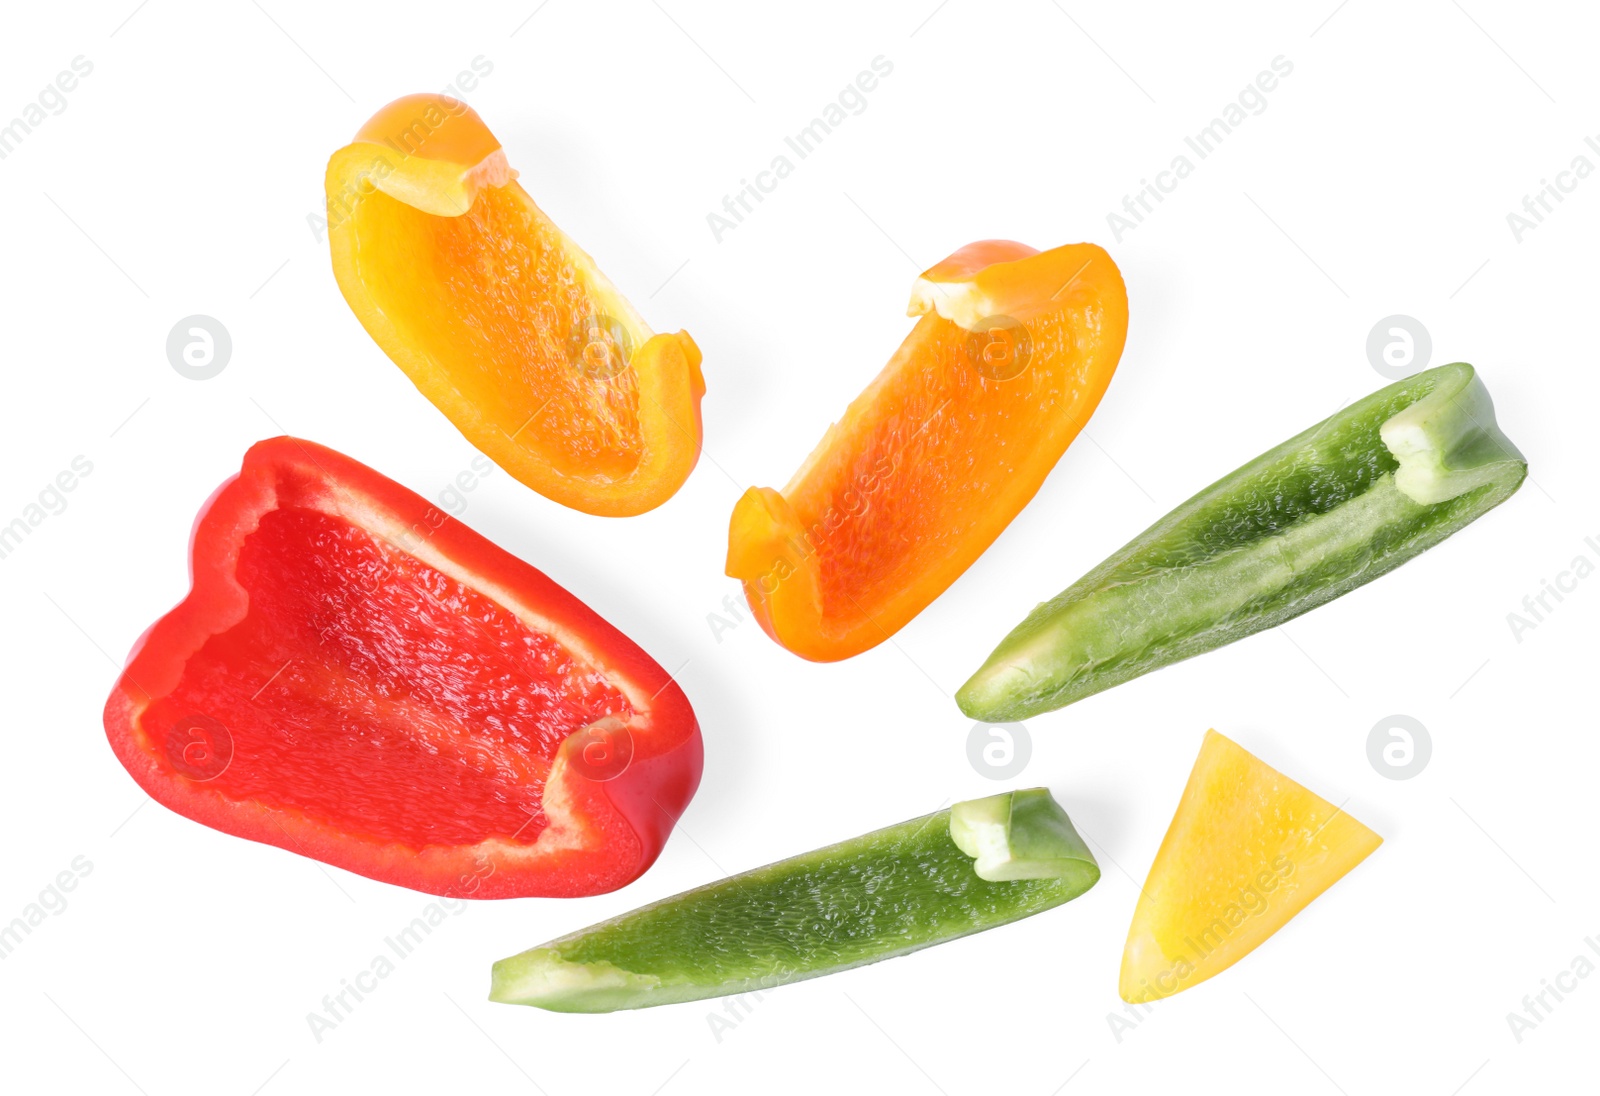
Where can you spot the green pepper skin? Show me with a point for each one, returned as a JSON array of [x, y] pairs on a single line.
[[1350, 499], [887, 893]]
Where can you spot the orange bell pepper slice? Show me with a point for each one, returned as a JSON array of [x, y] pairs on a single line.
[[503, 322], [1014, 349]]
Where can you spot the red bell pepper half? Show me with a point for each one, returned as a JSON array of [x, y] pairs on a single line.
[[358, 677]]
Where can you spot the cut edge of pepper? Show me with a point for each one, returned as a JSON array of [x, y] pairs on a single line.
[[1448, 442], [431, 152], [991, 279], [1022, 835]]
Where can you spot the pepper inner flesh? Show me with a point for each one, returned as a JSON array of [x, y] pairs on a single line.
[[921, 884], [1313, 518], [880, 512], [382, 697], [884, 894], [494, 298]]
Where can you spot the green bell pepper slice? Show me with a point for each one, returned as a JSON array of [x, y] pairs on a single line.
[[980, 864], [1350, 499]]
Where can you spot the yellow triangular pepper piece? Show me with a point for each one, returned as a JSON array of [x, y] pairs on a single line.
[[1247, 850]]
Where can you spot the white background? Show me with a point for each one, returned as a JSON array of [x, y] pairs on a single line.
[[178, 180]]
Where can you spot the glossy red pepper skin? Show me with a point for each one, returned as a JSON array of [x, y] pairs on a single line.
[[601, 828]]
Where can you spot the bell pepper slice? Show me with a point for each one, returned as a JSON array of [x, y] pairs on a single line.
[[1247, 850], [503, 322], [1011, 355], [979, 865], [1348, 500], [359, 678]]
